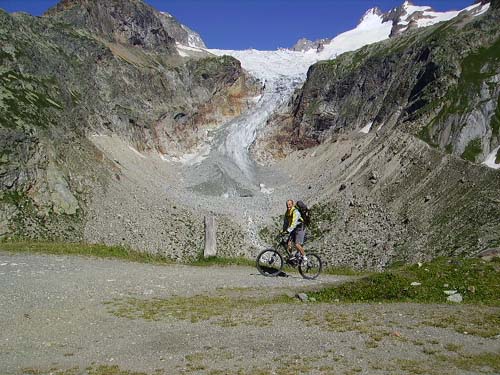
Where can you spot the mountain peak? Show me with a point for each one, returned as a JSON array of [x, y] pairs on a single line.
[[372, 11], [409, 7], [122, 21], [403, 18], [304, 44], [408, 15], [370, 17]]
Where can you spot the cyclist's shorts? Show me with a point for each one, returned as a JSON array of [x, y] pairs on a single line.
[[297, 235]]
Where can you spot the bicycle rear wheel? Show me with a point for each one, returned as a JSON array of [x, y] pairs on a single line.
[[311, 268], [269, 262]]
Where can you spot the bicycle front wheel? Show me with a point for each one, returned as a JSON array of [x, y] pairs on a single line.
[[311, 268], [269, 262]]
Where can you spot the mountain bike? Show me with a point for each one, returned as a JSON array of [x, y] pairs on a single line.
[[270, 262]]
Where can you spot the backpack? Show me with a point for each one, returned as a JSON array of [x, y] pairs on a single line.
[[304, 212]]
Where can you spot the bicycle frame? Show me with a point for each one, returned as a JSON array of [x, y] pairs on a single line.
[[281, 246], [282, 243]]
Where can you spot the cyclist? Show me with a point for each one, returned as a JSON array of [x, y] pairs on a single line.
[[293, 224]]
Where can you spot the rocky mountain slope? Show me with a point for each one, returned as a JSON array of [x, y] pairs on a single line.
[[99, 99], [440, 83], [89, 68], [394, 122]]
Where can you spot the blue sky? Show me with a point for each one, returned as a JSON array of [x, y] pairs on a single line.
[[260, 24]]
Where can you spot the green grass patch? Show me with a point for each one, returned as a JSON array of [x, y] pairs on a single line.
[[342, 322], [453, 347], [264, 233], [478, 323], [345, 271], [94, 370], [195, 308], [269, 232], [312, 108], [322, 218], [27, 99], [472, 150], [478, 66], [112, 370], [94, 250], [113, 252], [418, 367], [476, 69], [476, 362], [425, 134], [485, 363], [12, 197], [476, 280], [222, 261]]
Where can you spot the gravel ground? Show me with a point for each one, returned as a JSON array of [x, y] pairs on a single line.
[[54, 317]]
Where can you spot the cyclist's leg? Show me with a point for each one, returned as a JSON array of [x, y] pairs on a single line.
[[299, 240], [291, 238]]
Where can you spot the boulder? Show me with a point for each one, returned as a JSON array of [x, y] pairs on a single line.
[[302, 296], [457, 298], [489, 254]]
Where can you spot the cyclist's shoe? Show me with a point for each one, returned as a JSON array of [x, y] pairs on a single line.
[[304, 260]]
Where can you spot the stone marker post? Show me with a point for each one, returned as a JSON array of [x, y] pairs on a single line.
[[210, 231]]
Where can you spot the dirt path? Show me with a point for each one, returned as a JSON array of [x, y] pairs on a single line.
[[63, 315]]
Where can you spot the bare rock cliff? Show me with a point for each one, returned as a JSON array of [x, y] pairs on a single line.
[[129, 22]]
